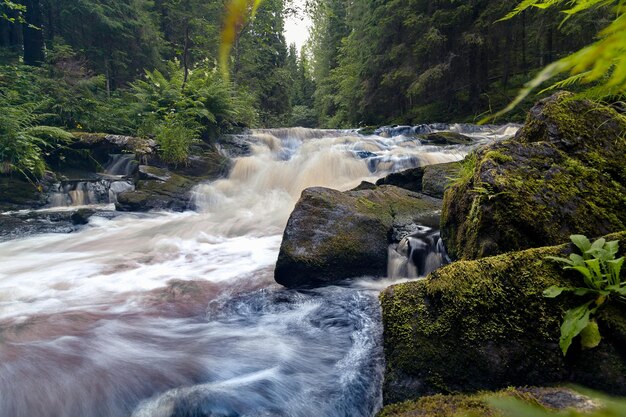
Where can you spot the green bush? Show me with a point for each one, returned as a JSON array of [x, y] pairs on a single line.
[[23, 141], [175, 136]]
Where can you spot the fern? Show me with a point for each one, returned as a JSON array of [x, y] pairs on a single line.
[[601, 65]]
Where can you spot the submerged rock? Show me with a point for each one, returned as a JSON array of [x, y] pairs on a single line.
[[485, 325], [562, 174], [332, 235]]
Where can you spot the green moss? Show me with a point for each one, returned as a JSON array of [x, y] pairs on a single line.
[[499, 157], [477, 405], [553, 180], [485, 325]]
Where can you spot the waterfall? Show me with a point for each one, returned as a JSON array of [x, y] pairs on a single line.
[[123, 165], [171, 314], [417, 254], [88, 192]]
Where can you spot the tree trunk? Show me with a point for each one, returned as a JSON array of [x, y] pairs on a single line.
[[186, 55], [33, 34]]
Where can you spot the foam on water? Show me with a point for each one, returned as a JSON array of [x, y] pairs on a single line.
[[177, 314]]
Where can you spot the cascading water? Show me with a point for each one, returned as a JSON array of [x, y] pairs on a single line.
[[103, 189], [170, 314]]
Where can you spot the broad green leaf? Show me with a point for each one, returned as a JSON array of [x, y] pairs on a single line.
[[575, 320], [581, 242], [554, 291], [577, 259], [590, 336], [585, 291], [615, 268], [598, 244], [585, 272], [596, 272], [612, 247]]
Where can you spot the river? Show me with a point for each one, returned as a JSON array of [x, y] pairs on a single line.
[[177, 314]]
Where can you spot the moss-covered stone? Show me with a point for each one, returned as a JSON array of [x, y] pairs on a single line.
[[17, 193], [333, 235], [564, 173], [172, 193], [437, 178], [445, 138], [484, 325], [477, 405]]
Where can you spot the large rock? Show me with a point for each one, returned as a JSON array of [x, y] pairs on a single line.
[[564, 173], [484, 324], [445, 138], [171, 192], [431, 180], [163, 188], [332, 235]]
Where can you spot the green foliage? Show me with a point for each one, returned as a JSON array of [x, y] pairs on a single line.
[[601, 276], [23, 142], [600, 66], [174, 138], [205, 102]]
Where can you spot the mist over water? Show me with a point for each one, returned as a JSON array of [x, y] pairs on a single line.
[[167, 314]]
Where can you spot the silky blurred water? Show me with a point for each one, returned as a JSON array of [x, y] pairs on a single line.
[[167, 314]]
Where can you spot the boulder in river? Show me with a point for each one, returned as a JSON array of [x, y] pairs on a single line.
[[562, 174], [485, 325], [445, 138], [332, 235], [431, 180]]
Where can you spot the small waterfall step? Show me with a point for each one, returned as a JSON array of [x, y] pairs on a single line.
[[417, 255]]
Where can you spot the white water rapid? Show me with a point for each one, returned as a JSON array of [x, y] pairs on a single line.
[[167, 314]]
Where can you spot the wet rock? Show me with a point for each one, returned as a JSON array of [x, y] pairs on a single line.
[[437, 178], [16, 193], [410, 179], [174, 194], [431, 180], [147, 172], [169, 188], [445, 138], [234, 146], [365, 185], [332, 235], [485, 325], [563, 174], [81, 216]]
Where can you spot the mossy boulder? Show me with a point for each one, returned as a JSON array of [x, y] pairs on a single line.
[[445, 138], [170, 188], [478, 405], [17, 193], [437, 178], [485, 325], [563, 173], [431, 180], [332, 235], [171, 193]]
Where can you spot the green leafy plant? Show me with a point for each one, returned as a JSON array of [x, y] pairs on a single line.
[[174, 137], [601, 66], [23, 142], [600, 271]]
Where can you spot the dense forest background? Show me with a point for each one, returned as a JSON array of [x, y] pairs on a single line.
[[149, 66]]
